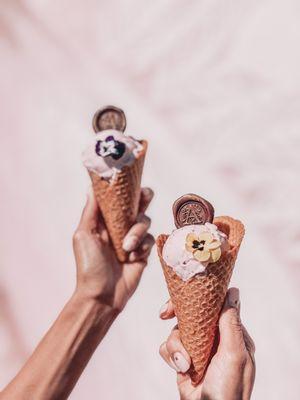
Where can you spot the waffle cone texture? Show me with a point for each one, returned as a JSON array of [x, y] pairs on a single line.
[[118, 200], [199, 301]]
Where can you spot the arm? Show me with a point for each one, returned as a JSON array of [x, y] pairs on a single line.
[[103, 288], [58, 361]]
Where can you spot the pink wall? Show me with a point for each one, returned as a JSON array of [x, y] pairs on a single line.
[[215, 87]]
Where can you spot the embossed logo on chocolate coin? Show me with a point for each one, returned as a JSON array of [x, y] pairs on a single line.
[[109, 117], [191, 209], [191, 213]]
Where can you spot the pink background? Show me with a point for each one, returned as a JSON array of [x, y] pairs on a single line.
[[215, 87]]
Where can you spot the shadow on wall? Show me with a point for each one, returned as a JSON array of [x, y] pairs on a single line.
[[9, 10]]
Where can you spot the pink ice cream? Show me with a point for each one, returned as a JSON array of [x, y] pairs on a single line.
[[183, 254], [109, 152]]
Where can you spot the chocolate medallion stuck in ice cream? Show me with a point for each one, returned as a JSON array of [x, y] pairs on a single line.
[[109, 117], [192, 209]]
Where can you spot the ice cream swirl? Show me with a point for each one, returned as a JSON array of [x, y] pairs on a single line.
[[190, 249]]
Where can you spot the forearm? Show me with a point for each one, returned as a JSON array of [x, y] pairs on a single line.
[[58, 361]]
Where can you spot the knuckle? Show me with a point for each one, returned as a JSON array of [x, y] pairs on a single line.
[[78, 236], [236, 323], [238, 358]]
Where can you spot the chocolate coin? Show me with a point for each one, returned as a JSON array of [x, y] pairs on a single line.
[[109, 117], [191, 209]]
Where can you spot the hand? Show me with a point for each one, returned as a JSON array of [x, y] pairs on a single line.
[[99, 273], [231, 372]]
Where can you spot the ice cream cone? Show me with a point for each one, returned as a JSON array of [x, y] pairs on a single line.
[[118, 200], [198, 301]]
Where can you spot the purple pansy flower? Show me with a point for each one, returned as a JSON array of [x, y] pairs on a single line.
[[110, 148]]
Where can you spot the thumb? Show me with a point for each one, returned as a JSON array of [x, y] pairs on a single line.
[[230, 327]]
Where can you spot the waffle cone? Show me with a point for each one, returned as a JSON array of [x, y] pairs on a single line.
[[118, 200], [198, 301]]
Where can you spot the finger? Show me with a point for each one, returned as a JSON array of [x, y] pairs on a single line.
[[230, 327], [137, 233], [90, 214], [167, 310], [145, 199], [102, 230], [249, 342], [143, 250], [184, 383], [177, 352], [215, 344], [132, 274], [166, 356]]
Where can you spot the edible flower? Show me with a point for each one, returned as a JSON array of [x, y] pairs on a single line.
[[110, 147], [205, 247]]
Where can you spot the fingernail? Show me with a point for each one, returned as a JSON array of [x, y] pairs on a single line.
[[172, 364], [234, 298], [163, 309], [181, 363], [130, 243]]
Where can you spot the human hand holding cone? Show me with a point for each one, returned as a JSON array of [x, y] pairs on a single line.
[[199, 274], [115, 164]]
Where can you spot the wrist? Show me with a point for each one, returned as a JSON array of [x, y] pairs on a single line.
[[95, 302]]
